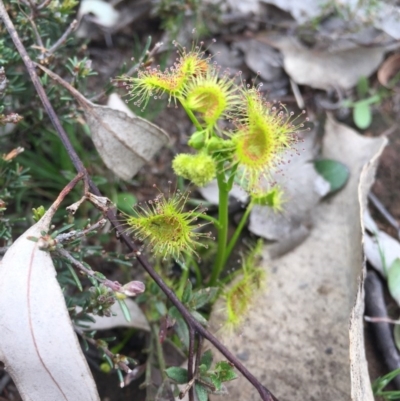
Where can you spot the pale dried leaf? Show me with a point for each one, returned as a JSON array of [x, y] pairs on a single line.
[[389, 70], [325, 69], [138, 320], [116, 103], [210, 193], [101, 12], [384, 15], [381, 250], [124, 143], [297, 332], [262, 59], [301, 11], [244, 6], [38, 345]]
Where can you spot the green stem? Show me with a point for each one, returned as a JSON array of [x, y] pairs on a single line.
[[223, 226], [190, 114], [209, 218], [160, 352], [184, 277], [197, 272], [238, 231]]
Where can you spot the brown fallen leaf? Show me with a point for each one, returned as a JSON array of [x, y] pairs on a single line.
[[389, 70], [296, 336], [38, 344]]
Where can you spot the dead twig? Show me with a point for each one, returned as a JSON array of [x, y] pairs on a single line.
[[375, 306]]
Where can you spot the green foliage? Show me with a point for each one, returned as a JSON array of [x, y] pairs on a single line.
[[208, 380], [177, 374], [378, 386], [13, 180], [174, 12], [393, 278], [334, 172], [362, 112]]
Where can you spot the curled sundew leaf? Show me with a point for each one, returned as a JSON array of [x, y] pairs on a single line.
[[38, 345]]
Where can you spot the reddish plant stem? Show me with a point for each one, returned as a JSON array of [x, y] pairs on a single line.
[[194, 325]]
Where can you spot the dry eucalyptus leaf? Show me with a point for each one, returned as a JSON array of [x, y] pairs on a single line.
[[116, 103], [383, 15], [245, 6], [38, 345], [98, 12], [297, 331], [262, 59], [211, 194], [325, 69], [389, 70], [381, 248], [124, 143], [301, 11], [117, 319]]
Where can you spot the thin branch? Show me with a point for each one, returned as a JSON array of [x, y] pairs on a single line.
[[72, 235], [375, 306], [118, 362], [63, 37], [44, 4], [113, 285], [191, 360], [265, 394], [384, 212]]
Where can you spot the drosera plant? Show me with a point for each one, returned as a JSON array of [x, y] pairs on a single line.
[[258, 135], [166, 226], [226, 151], [194, 328]]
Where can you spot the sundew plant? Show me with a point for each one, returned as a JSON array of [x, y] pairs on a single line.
[[248, 151]]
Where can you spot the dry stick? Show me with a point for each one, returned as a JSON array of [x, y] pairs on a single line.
[[384, 212], [193, 324], [375, 306]]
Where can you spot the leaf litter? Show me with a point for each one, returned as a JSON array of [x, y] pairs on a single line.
[[38, 344]]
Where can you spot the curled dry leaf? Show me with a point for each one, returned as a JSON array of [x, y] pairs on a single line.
[[97, 12], [301, 11], [124, 143], [38, 345], [389, 70], [381, 250], [325, 69]]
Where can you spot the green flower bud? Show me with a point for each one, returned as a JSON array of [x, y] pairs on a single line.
[[200, 168], [216, 144], [272, 198], [196, 141]]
